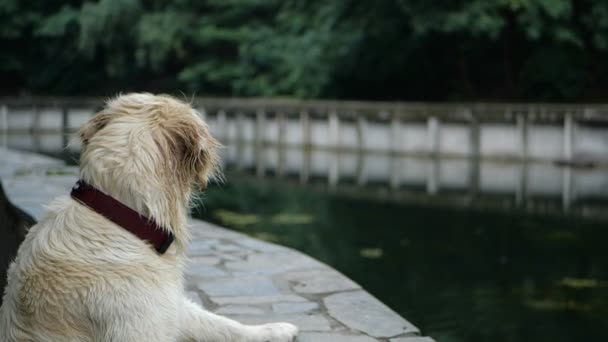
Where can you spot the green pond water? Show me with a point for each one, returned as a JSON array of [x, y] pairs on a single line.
[[459, 275]]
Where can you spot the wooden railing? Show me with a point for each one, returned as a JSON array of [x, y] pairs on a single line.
[[461, 111], [357, 114]]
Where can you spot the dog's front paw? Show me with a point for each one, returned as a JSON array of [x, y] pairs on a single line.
[[276, 332]]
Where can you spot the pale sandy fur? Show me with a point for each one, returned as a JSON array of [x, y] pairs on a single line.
[[79, 277]]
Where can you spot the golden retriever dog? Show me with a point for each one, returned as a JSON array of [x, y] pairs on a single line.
[[81, 276]]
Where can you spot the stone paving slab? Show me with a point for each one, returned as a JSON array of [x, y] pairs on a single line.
[[234, 275], [412, 339]]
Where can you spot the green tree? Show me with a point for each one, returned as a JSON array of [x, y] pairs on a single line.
[[389, 49], [551, 49]]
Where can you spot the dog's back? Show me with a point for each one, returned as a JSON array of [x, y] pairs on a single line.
[[45, 284], [64, 270]]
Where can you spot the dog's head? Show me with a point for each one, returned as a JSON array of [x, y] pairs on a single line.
[[142, 143]]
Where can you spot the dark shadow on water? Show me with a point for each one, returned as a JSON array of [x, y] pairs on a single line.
[[14, 223], [459, 275]]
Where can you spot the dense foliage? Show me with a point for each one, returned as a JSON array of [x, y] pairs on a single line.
[[386, 49]]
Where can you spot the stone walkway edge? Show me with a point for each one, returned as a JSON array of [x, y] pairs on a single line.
[[238, 276]]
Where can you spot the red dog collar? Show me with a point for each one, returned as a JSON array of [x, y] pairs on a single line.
[[129, 219]]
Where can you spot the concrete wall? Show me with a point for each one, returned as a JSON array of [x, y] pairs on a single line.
[[518, 135], [432, 174], [513, 156], [544, 142]]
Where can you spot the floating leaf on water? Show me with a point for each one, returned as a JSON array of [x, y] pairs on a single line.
[[236, 219], [266, 236], [558, 305], [291, 219], [371, 253], [563, 236], [580, 283]]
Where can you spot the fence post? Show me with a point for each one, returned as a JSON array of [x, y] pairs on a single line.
[[361, 171], [222, 126], [65, 123], [567, 192], [260, 124], [334, 136], [395, 171], [306, 165], [432, 182], [334, 169], [523, 129], [306, 129], [521, 193], [475, 152], [260, 118], [240, 141], [396, 134], [4, 125], [568, 136], [432, 185], [475, 134], [334, 129], [361, 133], [282, 130], [433, 135], [361, 136], [307, 146]]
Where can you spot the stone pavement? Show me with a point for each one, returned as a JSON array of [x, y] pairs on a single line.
[[237, 276]]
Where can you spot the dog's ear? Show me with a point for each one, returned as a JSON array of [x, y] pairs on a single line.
[[195, 151], [208, 162], [96, 123]]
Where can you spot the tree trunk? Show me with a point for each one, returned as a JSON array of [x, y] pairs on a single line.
[[508, 56]]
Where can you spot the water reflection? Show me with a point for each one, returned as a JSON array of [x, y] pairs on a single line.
[[463, 182]]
